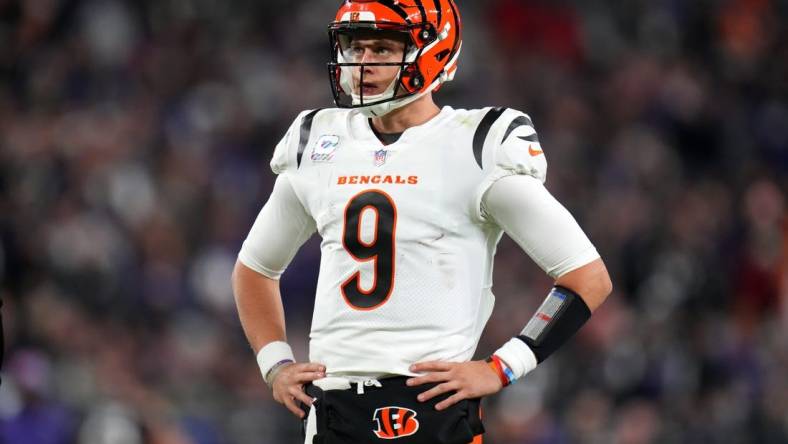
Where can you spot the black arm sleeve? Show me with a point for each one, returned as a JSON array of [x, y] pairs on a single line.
[[559, 317]]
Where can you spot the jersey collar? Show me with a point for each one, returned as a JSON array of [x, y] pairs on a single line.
[[360, 128]]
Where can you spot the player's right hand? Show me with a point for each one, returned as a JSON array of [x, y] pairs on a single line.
[[288, 384]]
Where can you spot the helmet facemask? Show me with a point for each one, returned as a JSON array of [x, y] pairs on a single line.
[[348, 91]]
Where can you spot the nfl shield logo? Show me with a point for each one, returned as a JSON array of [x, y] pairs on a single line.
[[380, 157], [354, 16]]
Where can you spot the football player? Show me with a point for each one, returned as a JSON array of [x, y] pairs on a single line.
[[410, 201]]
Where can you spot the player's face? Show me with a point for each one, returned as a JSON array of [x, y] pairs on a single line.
[[368, 49]]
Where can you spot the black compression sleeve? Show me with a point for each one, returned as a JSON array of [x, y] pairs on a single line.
[[559, 317]]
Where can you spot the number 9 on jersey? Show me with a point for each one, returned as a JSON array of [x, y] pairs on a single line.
[[381, 249]]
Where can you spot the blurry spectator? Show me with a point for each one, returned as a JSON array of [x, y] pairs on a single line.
[[30, 413]]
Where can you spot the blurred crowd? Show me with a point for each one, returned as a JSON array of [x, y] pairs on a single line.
[[134, 146]]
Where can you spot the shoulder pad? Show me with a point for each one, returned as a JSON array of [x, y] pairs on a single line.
[[506, 139], [288, 152]]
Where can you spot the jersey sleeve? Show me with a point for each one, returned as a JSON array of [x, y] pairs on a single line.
[[286, 153], [523, 208], [280, 229], [519, 150], [510, 147]]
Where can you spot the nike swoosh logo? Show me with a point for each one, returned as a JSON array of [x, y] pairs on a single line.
[[534, 152]]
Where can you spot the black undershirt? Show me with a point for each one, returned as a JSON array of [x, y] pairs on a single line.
[[386, 138]]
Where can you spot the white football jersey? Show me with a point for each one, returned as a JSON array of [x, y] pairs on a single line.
[[406, 266]]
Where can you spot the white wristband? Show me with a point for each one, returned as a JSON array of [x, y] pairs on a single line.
[[273, 356], [518, 356]]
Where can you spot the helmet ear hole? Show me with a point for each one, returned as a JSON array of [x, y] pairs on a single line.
[[427, 33]]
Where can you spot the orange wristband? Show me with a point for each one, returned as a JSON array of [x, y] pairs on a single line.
[[495, 363]]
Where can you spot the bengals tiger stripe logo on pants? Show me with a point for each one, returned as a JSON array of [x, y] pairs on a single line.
[[395, 422]]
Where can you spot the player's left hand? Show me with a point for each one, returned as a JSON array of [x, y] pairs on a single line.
[[468, 380]]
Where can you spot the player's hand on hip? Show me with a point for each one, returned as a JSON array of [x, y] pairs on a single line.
[[467, 380], [288, 385]]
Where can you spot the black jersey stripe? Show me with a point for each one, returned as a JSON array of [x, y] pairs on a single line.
[[306, 130], [516, 123], [482, 131], [532, 138]]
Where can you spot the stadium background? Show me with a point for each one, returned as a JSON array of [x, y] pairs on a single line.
[[134, 143]]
